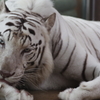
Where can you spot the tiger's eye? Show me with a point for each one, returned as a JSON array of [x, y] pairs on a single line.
[[2, 42], [27, 50]]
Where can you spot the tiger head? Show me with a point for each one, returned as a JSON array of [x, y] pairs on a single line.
[[24, 46]]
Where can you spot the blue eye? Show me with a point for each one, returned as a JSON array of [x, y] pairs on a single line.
[[2, 42], [27, 50]]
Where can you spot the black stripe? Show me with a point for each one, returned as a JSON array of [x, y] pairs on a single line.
[[31, 31], [32, 24], [95, 49], [29, 37], [57, 45], [32, 57], [21, 11], [34, 70], [94, 31], [21, 39], [24, 66], [7, 30], [18, 22], [36, 14], [16, 15], [70, 27], [39, 51], [24, 27], [13, 17], [59, 49], [69, 60], [58, 38], [84, 36], [90, 28], [32, 45], [24, 40], [34, 21], [89, 50], [66, 47], [9, 36], [41, 55], [84, 68], [10, 24], [53, 43], [23, 20], [31, 63], [94, 72], [30, 53], [1, 34]]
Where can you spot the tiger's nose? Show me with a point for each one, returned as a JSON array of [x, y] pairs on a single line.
[[6, 74]]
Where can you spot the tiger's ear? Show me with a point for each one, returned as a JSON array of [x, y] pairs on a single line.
[[3, 7], [49, 22]]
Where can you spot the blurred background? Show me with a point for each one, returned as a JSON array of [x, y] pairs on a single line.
[[86, 9]]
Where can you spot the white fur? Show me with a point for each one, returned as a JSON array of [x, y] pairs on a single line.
[[79, 32], [10, 93], [38, 6]]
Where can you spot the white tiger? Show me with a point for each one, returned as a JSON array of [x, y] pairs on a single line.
[[73, 56]]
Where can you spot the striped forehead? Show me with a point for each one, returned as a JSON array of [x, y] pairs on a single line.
[[21, 24], [22, 20], [29, 16]]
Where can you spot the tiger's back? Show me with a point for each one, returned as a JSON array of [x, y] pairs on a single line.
[[86, 33]]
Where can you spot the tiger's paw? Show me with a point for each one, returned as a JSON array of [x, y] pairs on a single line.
[[24, 95], [71, 94], [10, 93], [65, 94]]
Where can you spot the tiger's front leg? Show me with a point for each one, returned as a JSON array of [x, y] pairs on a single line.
[[86, 91], [10, 93], [89, 90]]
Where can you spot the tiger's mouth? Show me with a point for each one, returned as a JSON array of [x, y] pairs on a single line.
[[11, 84]]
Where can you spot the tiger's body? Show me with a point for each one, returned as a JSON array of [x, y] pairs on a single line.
[[40, 49], [80, 45]]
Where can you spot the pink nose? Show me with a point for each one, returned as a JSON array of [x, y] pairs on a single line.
[[6, 75]]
